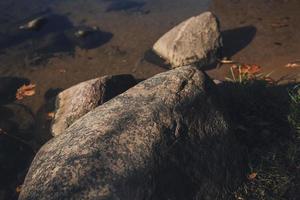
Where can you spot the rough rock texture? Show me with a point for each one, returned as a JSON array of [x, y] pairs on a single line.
[[196, 40], [165, 138], [78, 100]]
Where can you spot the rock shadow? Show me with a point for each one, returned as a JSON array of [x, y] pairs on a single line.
[[237, 39], [42, 132], [234, 40], [151, 57]]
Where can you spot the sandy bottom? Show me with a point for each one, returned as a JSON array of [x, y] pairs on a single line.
[[256, 32]]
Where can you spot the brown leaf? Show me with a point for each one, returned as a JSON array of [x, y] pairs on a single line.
[[25, 91], [269, 80], [252, 176], [293, 65], [19, 189], [50, 115], [279, 24], [250, 69], [62, 70], [246, 69]]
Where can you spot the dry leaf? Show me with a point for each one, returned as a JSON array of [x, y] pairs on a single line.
[[279, 25], [252, 176], [62, 70], [226, 61], [25, 91], [250, 69], [269, 80], [245, 69], [293, 64], [50, 115], [19, 189]]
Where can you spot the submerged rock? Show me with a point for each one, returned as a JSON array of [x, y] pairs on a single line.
[[86, 31], [35, 24], [78, 100], [165, 138], [196, 40]]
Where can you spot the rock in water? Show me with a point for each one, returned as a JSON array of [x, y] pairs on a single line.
[[165, 138], [35, 24], [196, 40], [78, 100]]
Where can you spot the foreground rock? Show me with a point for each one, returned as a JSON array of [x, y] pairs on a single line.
[[196, 40], [165, 138], [78, 100]]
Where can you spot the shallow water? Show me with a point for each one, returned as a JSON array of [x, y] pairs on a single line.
[[54, 58], [119, 40]]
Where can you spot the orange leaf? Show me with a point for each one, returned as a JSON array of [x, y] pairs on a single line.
[[19, 189], [269, 80], [250, 69], [62, 70], [292, 65], [50, 115], [25, 91], [252, 176]]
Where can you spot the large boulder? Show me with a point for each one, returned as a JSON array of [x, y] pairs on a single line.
[[165, 138], [74, 102], [196, 40]]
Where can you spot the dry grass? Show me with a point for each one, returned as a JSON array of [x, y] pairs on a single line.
[[267, 121]]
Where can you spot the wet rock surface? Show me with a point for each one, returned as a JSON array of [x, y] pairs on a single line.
[[140, 143], [78, 100], [196, 40]]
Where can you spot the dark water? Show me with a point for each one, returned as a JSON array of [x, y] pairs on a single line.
[[118, 36]]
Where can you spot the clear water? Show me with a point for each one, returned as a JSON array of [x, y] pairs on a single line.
[[126, 26]]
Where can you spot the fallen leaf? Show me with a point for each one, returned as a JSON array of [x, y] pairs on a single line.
[[25, 91], [293, 64], [226, 61], [50, 115], [245, 69], [250, 69], [279, 25], [269, 80], [62, 70], [19, 189], [252, 176]]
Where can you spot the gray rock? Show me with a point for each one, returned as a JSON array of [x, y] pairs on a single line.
[[196, 40], [165, 138], [78, 100]]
